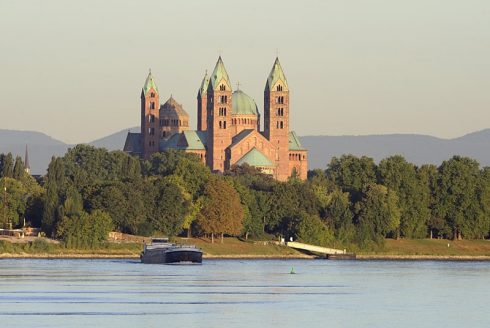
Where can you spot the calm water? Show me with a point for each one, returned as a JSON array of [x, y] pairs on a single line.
[[219, 293]]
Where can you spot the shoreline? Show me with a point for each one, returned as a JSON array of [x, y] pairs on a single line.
[[359, 257]]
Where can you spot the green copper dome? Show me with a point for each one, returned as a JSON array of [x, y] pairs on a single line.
[[149, 84], [243, 104]]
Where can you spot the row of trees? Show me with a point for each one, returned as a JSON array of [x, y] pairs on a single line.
[[353, 202]]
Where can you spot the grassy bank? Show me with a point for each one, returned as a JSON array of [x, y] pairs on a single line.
[[434, 247], [42, 247], [236, 248], [233, 247]]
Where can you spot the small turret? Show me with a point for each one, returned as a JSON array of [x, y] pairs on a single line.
[[202, 103]]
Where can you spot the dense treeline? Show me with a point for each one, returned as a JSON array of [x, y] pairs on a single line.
[[352, 203]]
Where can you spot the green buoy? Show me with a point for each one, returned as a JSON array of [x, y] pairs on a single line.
[[292, 271]]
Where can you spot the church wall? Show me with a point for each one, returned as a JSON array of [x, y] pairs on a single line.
[[299, 160]]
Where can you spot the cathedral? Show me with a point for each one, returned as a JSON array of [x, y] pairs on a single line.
[[228, 126]]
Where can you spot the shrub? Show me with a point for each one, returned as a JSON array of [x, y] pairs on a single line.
[[41, 245]]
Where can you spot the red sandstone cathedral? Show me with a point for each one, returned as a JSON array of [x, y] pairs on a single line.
[[228, 126]]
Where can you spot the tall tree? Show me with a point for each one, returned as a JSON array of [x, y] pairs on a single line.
[[352, 173], [171, 207], [222, 212], [379, 214], [8, 166], [457, 195], [19, 169], [400, 176], [54, 193]]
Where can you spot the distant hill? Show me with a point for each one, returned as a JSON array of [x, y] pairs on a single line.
[[418, 149], [114, 141], [41, 147]]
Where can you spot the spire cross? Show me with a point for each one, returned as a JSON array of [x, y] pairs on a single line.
[[238, 85], [149, 70], [220, 52]]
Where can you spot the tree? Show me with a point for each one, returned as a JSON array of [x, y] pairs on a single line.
[[312, 230], [379, 214], [352, 173], [85, 231], [52, 198], [19, 169], [428, 177], [222, 212], [124, 202], [401, 177], [73, 205], [171, 206], [7, 165], [13, 211], [457, 194], [339, 216]]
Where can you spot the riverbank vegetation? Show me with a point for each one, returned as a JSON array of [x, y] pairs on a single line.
[[354, 203]]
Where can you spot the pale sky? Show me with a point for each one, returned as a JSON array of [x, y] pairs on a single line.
[[75, 69]]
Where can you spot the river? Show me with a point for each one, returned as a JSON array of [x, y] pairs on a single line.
[[248, 293]]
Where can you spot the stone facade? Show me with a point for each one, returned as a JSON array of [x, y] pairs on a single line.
[[228, 126]]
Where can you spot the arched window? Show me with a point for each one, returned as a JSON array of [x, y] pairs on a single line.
[[152, 105], [152, 95], [222, 87], [220, 125], [279, 88], [282, 125], [224, 125]]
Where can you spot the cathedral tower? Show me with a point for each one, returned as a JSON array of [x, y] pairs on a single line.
[[276, 118], [219, 108], [202, 97], [150, 106]]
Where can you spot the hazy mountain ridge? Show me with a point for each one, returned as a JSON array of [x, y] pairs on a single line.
[[416, 148]]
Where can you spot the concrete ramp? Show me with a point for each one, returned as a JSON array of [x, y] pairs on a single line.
[[314, 249]]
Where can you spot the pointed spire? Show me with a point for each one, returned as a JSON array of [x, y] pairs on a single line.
[[219, 74], [276, 74], [26, 161], [204, 84], [149, 84]]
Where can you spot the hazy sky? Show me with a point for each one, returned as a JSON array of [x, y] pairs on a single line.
[[74, 69]]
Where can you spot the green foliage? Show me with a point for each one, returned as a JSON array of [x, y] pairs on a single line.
[[6, 247], [458, 201], [171, 207], [13, 202], [7, 165], [312, 230], [353, 202], [85, 231], [19, 168], [222, 212], [40, 245], [352, 173], [379, 214], [401, 177], [55, 184]]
